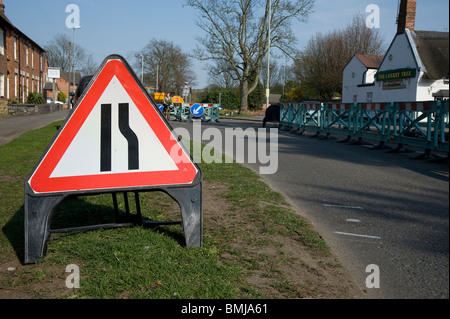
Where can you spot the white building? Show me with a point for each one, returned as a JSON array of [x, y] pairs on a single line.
[[414, 68], [359, 78]]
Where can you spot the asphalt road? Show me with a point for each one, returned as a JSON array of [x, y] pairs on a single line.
[[375, 209]]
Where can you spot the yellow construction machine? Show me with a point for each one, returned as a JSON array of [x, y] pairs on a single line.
[[159, 96]]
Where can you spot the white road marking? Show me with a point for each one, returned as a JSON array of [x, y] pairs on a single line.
[[351, 220], [342, 206], [357, 235]]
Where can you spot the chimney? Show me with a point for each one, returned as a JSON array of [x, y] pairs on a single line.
[[2, 7], [406, 16]]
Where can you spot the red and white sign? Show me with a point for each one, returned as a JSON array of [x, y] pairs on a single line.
[[186, 90], [114, 139]]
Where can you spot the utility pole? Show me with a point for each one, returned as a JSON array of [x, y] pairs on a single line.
[[142, 71], [73, 71], [68, 82], [157, 76], [268, 56]]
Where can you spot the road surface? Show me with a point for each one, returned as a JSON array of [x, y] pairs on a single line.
[[381, 213]]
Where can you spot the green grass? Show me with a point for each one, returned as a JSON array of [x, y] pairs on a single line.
[[227, 113], [150, 263]]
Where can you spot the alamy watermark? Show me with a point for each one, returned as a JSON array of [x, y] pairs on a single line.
[[250, 146], [373, 17], [73, 19], [373, 280], [73, 280]]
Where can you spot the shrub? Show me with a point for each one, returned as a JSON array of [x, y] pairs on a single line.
[[62, 97], [229, 98], [35, 98]]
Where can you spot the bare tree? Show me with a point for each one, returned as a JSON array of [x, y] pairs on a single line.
[[319, 66], [59, 50], [89, 66], [237, 33], [221, 75], [167, 61]]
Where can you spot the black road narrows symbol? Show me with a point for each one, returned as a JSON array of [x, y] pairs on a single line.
[[127, 132], [105, 138]]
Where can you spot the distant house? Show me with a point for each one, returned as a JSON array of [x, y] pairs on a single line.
[[62, 84], [359, 78], [23, 63], [414, 68]]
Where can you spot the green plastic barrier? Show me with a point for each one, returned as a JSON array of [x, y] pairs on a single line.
[[421, 124]]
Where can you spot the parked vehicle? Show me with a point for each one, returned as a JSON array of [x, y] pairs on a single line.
[[272, 114], [84, 82], [50, 101]]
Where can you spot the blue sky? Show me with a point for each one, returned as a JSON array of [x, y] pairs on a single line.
[[121, 27]]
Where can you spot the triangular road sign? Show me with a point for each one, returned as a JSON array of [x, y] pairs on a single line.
[[115, 138]]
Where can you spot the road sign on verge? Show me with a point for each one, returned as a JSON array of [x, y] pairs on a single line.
[[54, 73], [115, 140], [186, 89], [197, 110]]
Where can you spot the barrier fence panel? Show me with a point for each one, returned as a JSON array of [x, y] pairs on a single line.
[[212, 112], [443, 118], [420, 124], [296, 111], [181, 112], [285, 116], [414, 124], [374, 121], [337, 117], [312, 117]]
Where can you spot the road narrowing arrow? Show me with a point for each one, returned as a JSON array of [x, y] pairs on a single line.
[[197, 110]]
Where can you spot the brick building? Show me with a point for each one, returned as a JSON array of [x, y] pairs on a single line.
[[23, 63]]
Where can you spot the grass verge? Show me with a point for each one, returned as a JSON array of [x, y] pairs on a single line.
[[255, 246]]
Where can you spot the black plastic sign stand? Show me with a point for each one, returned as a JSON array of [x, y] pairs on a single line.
[[39, 210]]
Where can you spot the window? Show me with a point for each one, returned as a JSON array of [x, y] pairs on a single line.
[[355, 98], [16, 85], [2, 85], [2, 41], [15, 48], [369, 97], [26, 54]]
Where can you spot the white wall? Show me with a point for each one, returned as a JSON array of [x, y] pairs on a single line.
[[427, 88], [399, 56], [354, 75]]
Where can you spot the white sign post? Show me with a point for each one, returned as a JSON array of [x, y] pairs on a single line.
[[186, 92], [54, 73]]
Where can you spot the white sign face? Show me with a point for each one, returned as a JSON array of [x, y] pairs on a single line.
[[54, 73], [114, 139], [82, 158]]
